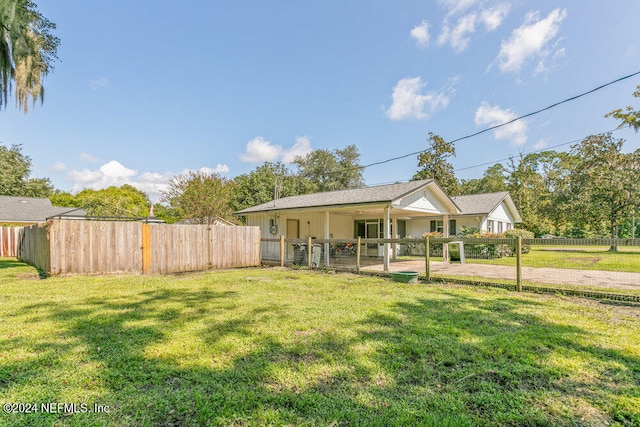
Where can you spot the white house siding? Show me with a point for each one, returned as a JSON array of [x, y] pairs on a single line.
[[501, 218], [311, 225], [422, 201]]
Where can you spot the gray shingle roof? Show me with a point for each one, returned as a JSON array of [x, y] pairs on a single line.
[[30, 209], [479, 203], [377, 194]]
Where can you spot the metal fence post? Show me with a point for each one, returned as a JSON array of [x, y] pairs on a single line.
[[519, 264], [282, 250], [427, 273], [358, 256]]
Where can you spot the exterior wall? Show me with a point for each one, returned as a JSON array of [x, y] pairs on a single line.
[[501, 218], [422, 201], [311, 225]]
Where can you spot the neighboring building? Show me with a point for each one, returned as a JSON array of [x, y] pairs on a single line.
[[32, 210], [397, 210]]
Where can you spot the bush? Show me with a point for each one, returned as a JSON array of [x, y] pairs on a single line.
[[519, 232]]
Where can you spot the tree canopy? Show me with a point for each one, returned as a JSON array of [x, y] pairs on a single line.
[[125, 201], [14, 175], [200, 197], [28, 50], [627, 116], [263, 183], [433, 163], [326, 170]]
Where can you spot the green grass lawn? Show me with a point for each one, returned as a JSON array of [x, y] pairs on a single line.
[[592, 258], [292, 347]]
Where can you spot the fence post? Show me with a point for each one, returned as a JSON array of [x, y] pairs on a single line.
[[309, 252], [282, 250], [146, 248], [358, 256], [519, 264], [427, 255]]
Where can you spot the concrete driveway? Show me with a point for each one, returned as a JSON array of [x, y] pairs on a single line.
[[546, 276]]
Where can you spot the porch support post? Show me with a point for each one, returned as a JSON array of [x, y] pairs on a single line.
[[326, 236], [445, 233], [394, 247], [387, 235]]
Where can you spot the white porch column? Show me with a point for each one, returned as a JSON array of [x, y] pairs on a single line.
[[326, 236], [394, 247], [445, 233], [387, 235]]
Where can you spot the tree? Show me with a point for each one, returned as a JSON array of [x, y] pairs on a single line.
[[14, 175], [434, 164], [264, 183], [125, 201], [331, 170], [27, 51], [493, 180], [628, 116], [200, 197], [605, 183]]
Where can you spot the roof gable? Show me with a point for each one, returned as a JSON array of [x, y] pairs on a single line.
[[484, 204], [366, 195]]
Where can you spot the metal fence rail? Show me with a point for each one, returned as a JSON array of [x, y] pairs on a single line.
[[544, 265]]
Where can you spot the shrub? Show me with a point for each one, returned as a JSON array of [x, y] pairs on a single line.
[[519, 232]]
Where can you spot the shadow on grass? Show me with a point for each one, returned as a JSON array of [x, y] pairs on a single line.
[[447, 360]]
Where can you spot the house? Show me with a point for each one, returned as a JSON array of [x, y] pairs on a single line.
[[32, 210], [489, 213], [407, 209]]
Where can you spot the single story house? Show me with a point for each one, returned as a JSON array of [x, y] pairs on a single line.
[[33, 210], [407, 209]]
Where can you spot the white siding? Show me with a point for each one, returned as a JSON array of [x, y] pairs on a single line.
[[423, 201]]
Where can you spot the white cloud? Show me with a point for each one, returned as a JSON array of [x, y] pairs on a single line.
[[116, 174], [529, 41], [470, 13], [420, 33], [458, 6], [492, 18], [58, 167], [260, 150], [409, 101], [540, 144], [99, 83], [515, 132], [301, 148], [89, 158], [458, 36]]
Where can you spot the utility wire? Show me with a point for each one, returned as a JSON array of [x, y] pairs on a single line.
[[510, 157], [564, 101]]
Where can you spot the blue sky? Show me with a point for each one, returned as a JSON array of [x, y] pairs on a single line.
[[145, 90]]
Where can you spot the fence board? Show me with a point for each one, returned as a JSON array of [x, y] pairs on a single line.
[[34, 247], [94, 247], [9, 238]]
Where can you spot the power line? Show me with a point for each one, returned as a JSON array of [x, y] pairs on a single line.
[[564, 101], [510, 157]]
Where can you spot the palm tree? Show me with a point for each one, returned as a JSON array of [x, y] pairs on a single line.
[[27, 51]]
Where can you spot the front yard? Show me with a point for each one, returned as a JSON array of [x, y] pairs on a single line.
[[292, 347]]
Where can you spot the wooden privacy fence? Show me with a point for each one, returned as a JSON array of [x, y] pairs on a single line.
[[95, 247], [9, 237]]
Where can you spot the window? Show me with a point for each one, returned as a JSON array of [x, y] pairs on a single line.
[[452, 227], [490, 226], [500, 225], [508, 226], [439, 226]]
